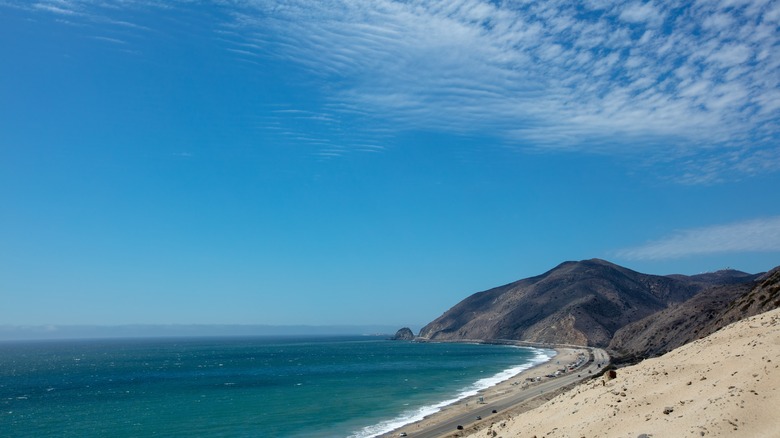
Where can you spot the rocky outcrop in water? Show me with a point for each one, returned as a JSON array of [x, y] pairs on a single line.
[[404, 334]]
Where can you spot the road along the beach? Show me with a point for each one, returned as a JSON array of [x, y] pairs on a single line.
[[483, 412]]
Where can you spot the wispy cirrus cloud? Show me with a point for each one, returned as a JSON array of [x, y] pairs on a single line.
[[756, 235], [62, 8], [694, 84], [675, 78]]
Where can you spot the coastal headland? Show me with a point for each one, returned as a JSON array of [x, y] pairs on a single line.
[[637, 317], [725, 384], [520, 393]]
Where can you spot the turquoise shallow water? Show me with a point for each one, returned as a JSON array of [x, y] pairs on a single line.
[[292, 387]]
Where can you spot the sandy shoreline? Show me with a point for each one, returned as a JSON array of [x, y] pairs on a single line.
[[495, 394], [726, 384]]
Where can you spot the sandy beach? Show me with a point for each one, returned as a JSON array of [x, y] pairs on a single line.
[[727, 384], [526, 382]]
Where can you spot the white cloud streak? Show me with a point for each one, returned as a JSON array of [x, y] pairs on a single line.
[[671, 77], [691, 82], [757, 235]]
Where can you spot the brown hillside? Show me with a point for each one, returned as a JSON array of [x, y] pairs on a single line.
[[581, 303], [763, 297], [702, 315]]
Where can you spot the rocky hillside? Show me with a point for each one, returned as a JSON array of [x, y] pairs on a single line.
[[581, 303], [713, 308], [763, 297]]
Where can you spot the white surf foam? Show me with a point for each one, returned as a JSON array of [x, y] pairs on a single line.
[[411, 416]]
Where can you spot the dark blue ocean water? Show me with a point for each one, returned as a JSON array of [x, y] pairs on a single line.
[[291, 387]]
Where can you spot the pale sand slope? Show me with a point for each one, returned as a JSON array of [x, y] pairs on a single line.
[[723, 385]]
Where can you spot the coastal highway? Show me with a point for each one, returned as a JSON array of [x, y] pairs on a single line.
[[448, 426]]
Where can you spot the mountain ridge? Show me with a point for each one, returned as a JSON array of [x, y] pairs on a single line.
[[577, 302], [708, 311]]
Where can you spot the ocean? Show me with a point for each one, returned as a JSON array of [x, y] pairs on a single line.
[[240, 387]]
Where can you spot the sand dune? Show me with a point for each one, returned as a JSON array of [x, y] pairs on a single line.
[[726, 384]]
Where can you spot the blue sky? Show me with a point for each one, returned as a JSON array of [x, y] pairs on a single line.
[[354, 162]]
